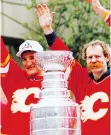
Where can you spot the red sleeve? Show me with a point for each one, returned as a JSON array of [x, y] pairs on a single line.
[[9, 69], [78, 79], [59, 45], [5, 56], [108, 20]]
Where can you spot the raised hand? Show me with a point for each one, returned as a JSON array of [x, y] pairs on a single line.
[[98, 8], [45, 18]]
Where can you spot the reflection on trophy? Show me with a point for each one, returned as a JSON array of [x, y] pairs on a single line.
[[56, 113]]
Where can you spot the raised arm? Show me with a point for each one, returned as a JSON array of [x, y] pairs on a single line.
[[100, 10], [45, 20]]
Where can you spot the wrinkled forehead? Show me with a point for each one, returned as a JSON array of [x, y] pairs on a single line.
[[94, 50]]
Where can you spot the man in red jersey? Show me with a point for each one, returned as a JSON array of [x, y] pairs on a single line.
[[21, 87], [90, 85], [101, 11]]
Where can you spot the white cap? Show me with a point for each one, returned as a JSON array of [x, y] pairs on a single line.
[[29, 45]]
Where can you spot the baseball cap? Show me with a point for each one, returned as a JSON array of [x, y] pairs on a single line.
[[29, 45]]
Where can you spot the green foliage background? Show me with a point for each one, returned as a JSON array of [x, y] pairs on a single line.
[[75, 22]]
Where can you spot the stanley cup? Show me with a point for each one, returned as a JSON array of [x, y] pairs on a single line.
[[56, 113]]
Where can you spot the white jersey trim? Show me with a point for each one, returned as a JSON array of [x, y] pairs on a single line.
[[4, 69]]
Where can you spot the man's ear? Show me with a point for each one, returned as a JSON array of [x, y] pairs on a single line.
[[108, 58]]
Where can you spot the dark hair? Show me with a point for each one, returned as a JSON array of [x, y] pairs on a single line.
[[26, 52]]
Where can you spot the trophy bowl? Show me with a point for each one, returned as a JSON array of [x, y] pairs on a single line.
[[53, 60]]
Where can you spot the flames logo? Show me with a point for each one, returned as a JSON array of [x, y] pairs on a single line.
[[87, 104], [19, 99]]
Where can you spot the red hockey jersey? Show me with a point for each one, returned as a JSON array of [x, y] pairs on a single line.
[[21, 94]]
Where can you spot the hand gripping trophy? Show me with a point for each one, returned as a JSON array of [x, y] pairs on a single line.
[[56, 113]]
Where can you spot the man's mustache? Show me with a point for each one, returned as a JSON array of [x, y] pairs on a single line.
[[95, 65]]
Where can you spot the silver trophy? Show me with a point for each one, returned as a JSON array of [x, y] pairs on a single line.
[[56, 113]]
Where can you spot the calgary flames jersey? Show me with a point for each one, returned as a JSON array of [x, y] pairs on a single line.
[[21, 94], [94, 100]]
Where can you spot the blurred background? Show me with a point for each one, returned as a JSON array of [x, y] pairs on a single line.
[[74, 21]]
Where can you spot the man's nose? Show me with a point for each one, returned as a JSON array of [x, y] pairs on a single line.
[[93, 59], [29, 63]]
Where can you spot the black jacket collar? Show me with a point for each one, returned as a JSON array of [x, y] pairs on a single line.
[[107, 73]]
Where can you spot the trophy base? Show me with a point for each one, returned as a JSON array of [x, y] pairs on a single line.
[[57, 132], [55, 116]]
